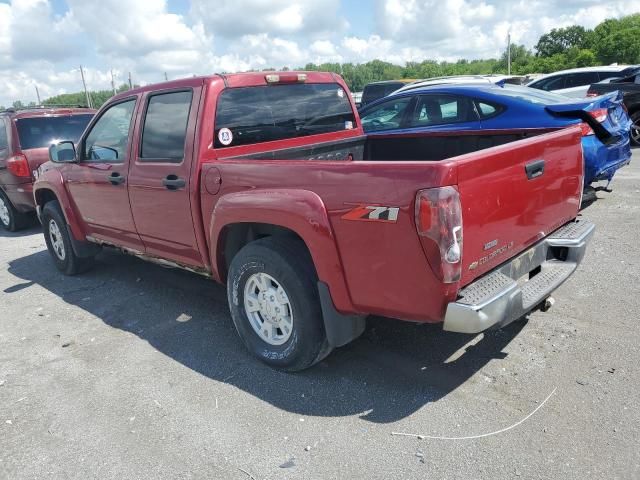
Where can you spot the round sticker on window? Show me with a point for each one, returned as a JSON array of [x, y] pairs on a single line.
[[225, 136], [340, 92]]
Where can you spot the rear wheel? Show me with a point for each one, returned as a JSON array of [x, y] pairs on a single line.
[[10, 218], [58, 241], [635, 128], [273, 297]]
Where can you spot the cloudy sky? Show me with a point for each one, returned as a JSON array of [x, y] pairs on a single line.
[[42, 42]]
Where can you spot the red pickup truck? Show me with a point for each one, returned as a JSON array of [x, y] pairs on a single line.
[[266, 181]]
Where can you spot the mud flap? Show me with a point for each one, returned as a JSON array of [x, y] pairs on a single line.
[[341, 329]]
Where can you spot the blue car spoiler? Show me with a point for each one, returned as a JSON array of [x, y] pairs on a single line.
[[581, 108]]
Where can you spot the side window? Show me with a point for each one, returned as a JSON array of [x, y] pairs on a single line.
[[488, 110], [4, 141], [548, 84], [165, 127], [581, 79], [386, 116], [109, 137], [441, 109]]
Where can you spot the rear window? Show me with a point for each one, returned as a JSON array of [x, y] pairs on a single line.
[[531, 95], [251, 115], [38, 132]]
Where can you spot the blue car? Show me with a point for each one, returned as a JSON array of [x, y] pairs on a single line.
[[489, 111]]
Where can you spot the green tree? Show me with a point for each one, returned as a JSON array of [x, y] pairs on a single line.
[[558, 40], [618, 40]]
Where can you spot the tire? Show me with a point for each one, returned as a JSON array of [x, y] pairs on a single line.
[[635, 137], [296, 336], [58, 241], [10, 218]]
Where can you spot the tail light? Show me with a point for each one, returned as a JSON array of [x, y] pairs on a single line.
[[586, 129], [439, 224], [19, 166], [592, 94], [600, 114]]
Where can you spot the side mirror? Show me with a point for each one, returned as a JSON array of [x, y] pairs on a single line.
[[63, 152]]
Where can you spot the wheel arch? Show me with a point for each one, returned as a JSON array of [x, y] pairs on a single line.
[[242, 217]]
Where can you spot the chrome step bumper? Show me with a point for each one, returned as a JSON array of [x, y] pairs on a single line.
[[501, 296]]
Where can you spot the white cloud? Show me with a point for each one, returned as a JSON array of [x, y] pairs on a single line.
[[42, 45], [236, 18]]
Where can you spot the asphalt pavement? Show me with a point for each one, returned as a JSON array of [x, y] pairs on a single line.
[[134, 371]]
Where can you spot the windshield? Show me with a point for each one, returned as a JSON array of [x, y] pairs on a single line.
[[38, 132], [249, 115], [532, 95]]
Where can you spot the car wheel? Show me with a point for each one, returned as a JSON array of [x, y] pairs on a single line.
[[273, 297], [635, 129], [10, 218], [58, 241]]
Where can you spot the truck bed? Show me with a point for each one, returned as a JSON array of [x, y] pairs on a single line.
[[504, 212]]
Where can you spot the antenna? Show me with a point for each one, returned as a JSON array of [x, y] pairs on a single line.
[[38, 95]]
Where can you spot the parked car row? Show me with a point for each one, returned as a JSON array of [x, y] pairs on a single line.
[[503, 113], [452, 104], [268, 182]]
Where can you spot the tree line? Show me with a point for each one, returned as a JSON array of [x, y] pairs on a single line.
[[612, 41]]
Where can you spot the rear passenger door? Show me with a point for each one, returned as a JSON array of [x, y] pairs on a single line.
[[161, 187]]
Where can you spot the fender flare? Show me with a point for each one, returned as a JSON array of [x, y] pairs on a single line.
[[301, 211], [52, 180]]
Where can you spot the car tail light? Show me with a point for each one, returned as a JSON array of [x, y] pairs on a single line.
[[286, 78], [592, 94], [600, 114], [19, 166], [586, 129], [438, 218]]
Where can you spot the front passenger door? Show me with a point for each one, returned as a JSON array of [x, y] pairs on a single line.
[[98, 182]]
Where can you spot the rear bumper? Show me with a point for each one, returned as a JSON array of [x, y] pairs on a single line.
[[522, 284], [602, 161]]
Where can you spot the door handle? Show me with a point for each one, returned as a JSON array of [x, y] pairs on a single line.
[[534, 169], [116, 179], [173, 182]]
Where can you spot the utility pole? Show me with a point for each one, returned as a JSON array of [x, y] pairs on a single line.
[[166, 79], [113, 83], [509, 53], [86, 92], [130, 84], [38, 95]]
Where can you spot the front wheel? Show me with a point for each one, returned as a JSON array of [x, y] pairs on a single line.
[[273, 297], [58, 241], [635, 129]]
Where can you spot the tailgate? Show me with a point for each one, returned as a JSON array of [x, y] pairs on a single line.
[[516, 194]]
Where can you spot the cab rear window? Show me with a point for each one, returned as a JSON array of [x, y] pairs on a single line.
[[250, 115], [38, 132]]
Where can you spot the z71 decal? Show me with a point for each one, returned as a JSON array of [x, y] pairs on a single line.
[[373, 213]]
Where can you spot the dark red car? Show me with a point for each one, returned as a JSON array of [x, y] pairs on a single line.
[[25, 136]]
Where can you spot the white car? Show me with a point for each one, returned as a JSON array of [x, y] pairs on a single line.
[[575, 82], [462, 79]]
